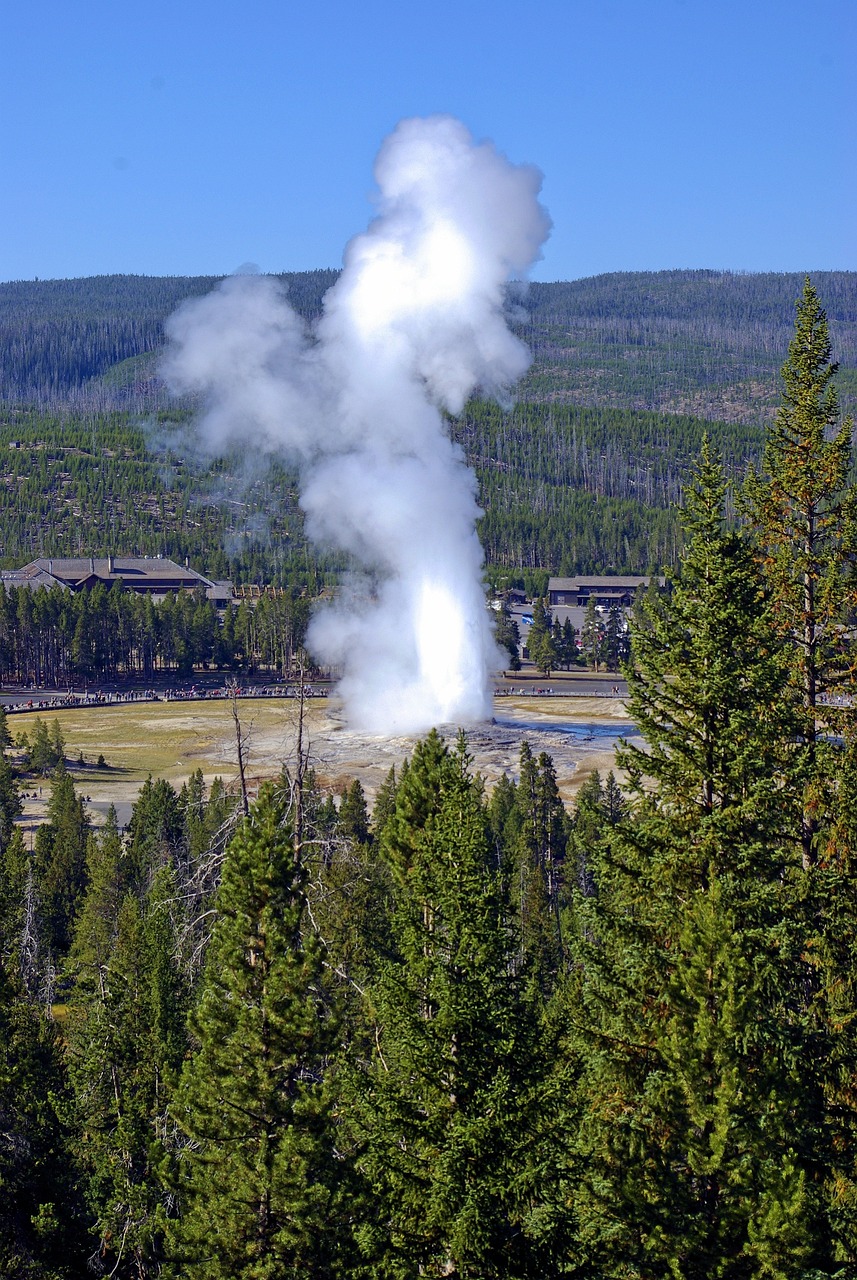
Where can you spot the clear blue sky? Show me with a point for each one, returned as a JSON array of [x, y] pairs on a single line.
[[193, 138]]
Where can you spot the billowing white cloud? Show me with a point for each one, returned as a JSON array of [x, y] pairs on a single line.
[[414, 325]]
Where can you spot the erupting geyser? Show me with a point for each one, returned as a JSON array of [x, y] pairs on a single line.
[[413, 326]]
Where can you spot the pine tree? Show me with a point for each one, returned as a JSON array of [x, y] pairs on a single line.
[[41, 1235], [157, 832], [505, 820], [60, 862], [260, 1182], [700, 1140], [42, 755], [96, 922], [590, 636], [538, 874], [15, 871], [805, 512], [126, 1046], [589, 824], [447, 1107], [568, 649], [385, 802], [354, 815], [57, 748], [540, 640], [10, 801], [508, 637], [614, 639]]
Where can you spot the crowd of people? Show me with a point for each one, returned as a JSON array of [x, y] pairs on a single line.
[[98, 698]]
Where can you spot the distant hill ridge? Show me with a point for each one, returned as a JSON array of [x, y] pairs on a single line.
[[61, 337], [706, 343], [700, 342]]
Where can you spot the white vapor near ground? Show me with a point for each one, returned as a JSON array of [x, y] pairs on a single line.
[[414, 325]]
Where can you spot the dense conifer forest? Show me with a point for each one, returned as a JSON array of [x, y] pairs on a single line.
[[60, 639], [563, 489], [471, 1034]]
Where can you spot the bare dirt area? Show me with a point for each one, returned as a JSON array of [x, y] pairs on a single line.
[[171, 740]]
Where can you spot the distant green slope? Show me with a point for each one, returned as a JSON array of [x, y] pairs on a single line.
[[58, 337], [583, 474], [705, 343]]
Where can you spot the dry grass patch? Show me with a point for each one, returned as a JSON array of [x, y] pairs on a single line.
[[173, 739]]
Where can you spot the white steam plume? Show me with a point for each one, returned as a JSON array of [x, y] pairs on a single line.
[[413, 325]]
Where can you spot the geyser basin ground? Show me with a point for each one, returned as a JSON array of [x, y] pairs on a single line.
[[171, 740]]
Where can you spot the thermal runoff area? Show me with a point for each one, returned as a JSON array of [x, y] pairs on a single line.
[[414, 325]]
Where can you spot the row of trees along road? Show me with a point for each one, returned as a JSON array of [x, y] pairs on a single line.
[[57, 637], [478, 1036]]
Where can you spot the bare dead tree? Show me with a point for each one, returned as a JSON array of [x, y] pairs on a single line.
[[193, 907], [30, 950], [240, 742]]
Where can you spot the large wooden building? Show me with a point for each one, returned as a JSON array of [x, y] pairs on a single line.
[[607, 590], [154, 576]]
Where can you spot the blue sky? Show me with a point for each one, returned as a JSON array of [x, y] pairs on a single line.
[[194, 138]]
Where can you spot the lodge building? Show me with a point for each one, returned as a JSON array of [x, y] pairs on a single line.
[[154, 576], [607, 590]]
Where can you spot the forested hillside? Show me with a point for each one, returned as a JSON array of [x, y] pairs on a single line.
[[705, 343], [74, 484], [587, 490], [59, 337], [562, 488], [582, 475]]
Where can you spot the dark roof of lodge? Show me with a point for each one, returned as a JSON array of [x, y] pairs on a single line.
[[150, 574], [147, 571], [597, 580], [30, 576]]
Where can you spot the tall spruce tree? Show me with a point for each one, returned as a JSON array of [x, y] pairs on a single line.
[[539, 865], [700, 1142], [591, 636], [41, 1217], [60, 862], [96, 922], [14, 873], [805, 512], [448, 1105], [10, 801], [126, 1045], [261, 1182], [540, 639]]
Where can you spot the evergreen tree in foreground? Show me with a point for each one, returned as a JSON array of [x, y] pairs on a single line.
[[538, 857], [40, 1213], [261, 1181], [60, 862], [701, 1137], [448, 1107], [126, 1043], [805, 514]]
